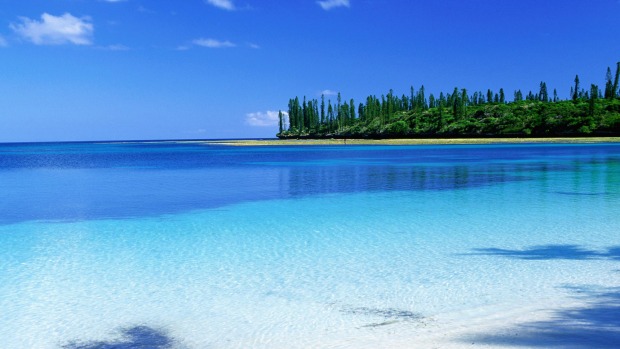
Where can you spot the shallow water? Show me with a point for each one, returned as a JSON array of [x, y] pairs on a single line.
[[202, 246]]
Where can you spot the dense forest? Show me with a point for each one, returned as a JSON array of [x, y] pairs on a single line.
[[590, 111]]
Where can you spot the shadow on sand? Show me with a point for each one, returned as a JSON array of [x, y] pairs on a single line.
[[548, 252], [138, 337], [596, 325]]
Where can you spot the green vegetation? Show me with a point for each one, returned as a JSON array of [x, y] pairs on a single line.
[[590, 112]]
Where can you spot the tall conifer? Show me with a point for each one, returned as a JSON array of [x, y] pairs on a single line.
[[322, 108], [615, 91], [593, 97], [576, 88], [281, 123]]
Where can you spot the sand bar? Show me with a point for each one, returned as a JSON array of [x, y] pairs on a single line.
[[412, 141]]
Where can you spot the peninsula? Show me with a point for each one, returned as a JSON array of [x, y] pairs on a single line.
[[590, 111]]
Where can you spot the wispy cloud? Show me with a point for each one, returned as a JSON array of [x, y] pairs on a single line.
[[114, 48], [264, 119], [55, 30], [223, 4], [3, 42], [213, 43], [145, 10], [329, 4], [329, 92]]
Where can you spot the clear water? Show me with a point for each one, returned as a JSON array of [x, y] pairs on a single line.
[[179, 245]]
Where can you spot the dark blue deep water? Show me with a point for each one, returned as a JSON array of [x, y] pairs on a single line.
[[83, 181]]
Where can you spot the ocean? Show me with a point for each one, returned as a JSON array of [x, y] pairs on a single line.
[[199, 245]]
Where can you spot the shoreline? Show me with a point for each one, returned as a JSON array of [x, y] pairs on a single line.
[[413, 141]]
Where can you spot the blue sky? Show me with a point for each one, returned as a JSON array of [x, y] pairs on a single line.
[[146, 69]]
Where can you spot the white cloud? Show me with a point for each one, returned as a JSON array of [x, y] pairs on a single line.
[[329, 93], [264, 119], [223, 4], [3, 42], [329, 4], [52, 30], [213, 43]]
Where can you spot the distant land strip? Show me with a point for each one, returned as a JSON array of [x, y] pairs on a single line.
[[414, 141], [590, 111]]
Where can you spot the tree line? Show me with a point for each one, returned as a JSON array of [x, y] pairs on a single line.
[[588, 111]]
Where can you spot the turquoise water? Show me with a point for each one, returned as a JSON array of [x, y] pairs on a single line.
[[176, 245]]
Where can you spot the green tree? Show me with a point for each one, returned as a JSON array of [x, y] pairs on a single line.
[[615, 91], [518, 96], [609, 93], [459, 113], [305, 119], [457, 105], [361, 112], [542, 94], [281, 122], [339, 101], [576, 89], [330, 116], [421, 99], [593, 98], [352, 109], [322, 108]]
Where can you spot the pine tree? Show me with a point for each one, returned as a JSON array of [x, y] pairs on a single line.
[[518, 96], [322, 109], [614, 88], [361, 113], [609, 94], [339, 111], [442, 99], [542, 94], [281, 122], [576, 89], [502, 96], [593, 97], [352, 110], [421, 99], [306, 115], [330, 115], [464, 100], [291, 114], [530, 96], [456, 103], [315, 115]]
